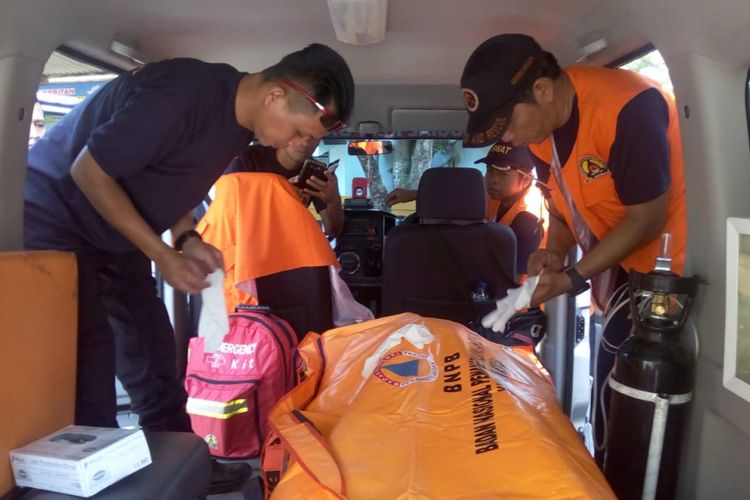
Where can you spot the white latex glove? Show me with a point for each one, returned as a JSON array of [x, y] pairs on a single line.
[[516, 300], [213, 323]]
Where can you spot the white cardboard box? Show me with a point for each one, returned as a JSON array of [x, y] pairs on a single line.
[[80, 460]]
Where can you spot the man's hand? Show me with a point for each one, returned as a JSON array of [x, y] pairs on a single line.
[[327, 191], [400, 195], [187, 271], [304, 198], [543, 259], [551, 284], [209, 256], [183, 272]]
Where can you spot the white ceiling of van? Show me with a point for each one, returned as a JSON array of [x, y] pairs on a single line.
[[427, 41]]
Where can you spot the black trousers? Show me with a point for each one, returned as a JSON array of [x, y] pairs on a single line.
[[124, 328]]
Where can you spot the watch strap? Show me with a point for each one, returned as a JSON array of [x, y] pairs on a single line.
[[184, 236], [580, 285]]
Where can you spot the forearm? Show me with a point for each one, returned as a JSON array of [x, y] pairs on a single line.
[[552, 258], [185, 223], [400, 195], [333, 219], [560, 239], [113, 204], [640, 225], [410, 195]]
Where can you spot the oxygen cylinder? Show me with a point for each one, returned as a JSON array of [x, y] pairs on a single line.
[[651, 386]]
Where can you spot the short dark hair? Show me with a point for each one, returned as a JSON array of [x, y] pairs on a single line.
[[322, 72], [547, 67]]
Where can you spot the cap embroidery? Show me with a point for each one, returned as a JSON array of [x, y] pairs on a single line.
[[501, 148], [471, 100], [519, 74], [490, 135], [496, 128]]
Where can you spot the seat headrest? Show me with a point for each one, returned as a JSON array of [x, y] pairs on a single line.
[[451, 194]]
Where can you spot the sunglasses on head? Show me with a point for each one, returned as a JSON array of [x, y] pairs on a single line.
[[528, 175], [504, 168], [328, 117]]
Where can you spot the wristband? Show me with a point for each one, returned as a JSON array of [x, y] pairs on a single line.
[[182, 238]]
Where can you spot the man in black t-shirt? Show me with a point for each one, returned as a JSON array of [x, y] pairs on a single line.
[[131, 162], [287, 162]]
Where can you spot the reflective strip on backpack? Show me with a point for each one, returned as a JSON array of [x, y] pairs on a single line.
[[216, 409]]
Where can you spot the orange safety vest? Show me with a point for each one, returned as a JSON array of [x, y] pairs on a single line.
[[258, 223], [602, 93], [519, 206], [493, 205]]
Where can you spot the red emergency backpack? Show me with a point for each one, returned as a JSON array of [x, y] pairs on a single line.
[[231, 391]]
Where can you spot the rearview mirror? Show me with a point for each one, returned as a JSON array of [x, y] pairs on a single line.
[[369, 148]]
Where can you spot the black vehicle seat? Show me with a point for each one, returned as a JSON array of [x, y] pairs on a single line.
[[301, 296], [430, 268], [180, 470]]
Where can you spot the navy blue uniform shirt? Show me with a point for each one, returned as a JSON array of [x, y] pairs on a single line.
[[639, 157], [165, 132]]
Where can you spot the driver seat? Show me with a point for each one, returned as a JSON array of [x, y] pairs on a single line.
[[432, 266]]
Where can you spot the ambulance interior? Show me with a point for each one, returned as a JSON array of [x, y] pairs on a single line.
[[407, 94]]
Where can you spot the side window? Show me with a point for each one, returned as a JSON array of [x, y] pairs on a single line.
[[651, 65], [65, 82]]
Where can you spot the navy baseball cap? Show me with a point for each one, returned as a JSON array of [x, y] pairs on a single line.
[[494, 76], [505, 157]]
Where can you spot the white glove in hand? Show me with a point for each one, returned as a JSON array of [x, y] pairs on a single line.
[[213, 323], [516, 300]]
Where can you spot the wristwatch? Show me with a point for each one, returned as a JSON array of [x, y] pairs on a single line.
[[182, 238], [580, 285]]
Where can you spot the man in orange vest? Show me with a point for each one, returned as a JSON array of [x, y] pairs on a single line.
[[608, 143], [508, 179], [287, 162]]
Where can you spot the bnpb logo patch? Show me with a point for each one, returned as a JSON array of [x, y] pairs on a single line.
[[402, 368], [592, 167], [471, 100]]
